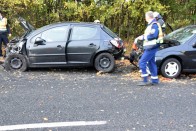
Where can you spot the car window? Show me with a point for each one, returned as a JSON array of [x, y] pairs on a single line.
[[109, 32], [84, 33], [55, 34], [182, 35]]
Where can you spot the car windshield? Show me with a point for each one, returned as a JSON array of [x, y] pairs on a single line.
[[182, 35], [109, 32]]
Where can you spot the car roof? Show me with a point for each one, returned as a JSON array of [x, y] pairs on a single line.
[[189, 26], [65, 23], [72, 23]]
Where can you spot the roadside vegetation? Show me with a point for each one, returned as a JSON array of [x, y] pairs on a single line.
[[124, 17]]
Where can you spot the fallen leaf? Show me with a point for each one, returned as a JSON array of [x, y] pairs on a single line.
[[45, 119]]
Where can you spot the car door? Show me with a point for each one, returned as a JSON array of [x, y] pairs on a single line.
[[52, 51], [83, 43], [190, 53]]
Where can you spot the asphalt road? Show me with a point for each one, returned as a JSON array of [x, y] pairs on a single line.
[[71, 95]]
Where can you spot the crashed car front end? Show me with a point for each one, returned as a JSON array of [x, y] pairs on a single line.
[[15, 58], [15, 46]]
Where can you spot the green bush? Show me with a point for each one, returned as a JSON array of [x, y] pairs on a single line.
[[124, 18]]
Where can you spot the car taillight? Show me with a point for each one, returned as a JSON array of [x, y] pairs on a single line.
[[116, 43]]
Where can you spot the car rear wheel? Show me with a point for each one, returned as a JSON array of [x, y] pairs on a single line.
[[171, 68], [15, 62], [104, 62]]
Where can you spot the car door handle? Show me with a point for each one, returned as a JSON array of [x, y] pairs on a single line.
[[59, 46], [91, 44]]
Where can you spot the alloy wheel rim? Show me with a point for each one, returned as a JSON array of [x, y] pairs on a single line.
[[105, 62], [16, 63], [171, 69]]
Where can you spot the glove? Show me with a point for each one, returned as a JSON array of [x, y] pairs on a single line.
[[141, 37], [135, 41], [134, 46]]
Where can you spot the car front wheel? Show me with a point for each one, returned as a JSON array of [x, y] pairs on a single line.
[[104, 62], [15, 62], [171, 68]]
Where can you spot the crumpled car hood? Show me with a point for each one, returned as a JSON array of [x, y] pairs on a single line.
[[169, 43]]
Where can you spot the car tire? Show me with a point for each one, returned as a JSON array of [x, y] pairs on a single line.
[[171, 68], [104, 62], [15, 62]]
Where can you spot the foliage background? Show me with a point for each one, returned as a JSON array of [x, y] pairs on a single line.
[[124, 17]]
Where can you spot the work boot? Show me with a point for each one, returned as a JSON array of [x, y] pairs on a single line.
[[144, 83], [154, 83]]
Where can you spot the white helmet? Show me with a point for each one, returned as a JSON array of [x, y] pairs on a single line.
[[155, 14], [97, 21]]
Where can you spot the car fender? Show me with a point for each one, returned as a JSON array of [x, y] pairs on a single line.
[[97, 53], [161, 57]]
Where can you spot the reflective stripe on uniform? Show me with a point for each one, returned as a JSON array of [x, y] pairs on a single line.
[[164, 25], [144, 75], [3, 24], [150, 43], [3, 30], [155, 41], [161, 35], [154, 77]]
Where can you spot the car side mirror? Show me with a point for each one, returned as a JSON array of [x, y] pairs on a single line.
[[39, 41], [194, 45]]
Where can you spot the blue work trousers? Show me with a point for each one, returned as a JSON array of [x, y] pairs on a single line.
[[3, 40], [148, 59]]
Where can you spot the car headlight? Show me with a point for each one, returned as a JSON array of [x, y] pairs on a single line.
[[20, 44]]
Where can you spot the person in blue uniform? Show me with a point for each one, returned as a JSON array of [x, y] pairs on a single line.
[[160, 20], [151, 37]]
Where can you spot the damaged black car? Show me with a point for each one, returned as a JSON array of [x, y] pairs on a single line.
[[178, 52], [63, 45]]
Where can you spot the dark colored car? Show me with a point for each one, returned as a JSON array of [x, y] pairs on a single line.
[[64, 44], [178, 52]]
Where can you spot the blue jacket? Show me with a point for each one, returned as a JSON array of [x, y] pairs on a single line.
[[155, 35]]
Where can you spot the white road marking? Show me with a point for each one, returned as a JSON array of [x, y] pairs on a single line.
[[55, 124]]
